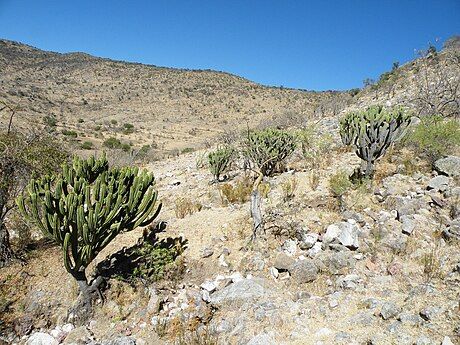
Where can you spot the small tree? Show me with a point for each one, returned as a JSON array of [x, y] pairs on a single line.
[[22, 157], [339, 184], [84, 208], [371, 132], [220, 160], [266, 150]]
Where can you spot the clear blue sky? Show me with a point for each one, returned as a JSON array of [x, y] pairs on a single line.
[[315, 45]]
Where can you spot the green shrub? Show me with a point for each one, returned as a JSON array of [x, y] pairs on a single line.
[[112, 143], [113, 122], [50, 121], [268, 149], [371, 132], [220, 160], [339, 184], [87, 145], [434, 137], [69, 133], [187, 150], [80, 120], [128, 128]]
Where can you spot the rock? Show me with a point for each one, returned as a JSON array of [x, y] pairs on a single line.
[[209, 286], [429, 313], [447, 341], [315, 250], [350, 281], [41, 338], [304, 271], [222, 261], [307, 241], [274, 272], [410, 319], [438, 183], [239, 292], [424, 340], [289, 247], [452, 232], [154, 301], [389, 310], [332, 232], [79, 335], [405, 206], [262, 339], [283, 261], [207, 252], [449, 166], [121, 341], [349, 234], [408, 224], [335, 262]]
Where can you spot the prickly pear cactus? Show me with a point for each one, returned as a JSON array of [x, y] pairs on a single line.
[[371, 132], [87, 205]]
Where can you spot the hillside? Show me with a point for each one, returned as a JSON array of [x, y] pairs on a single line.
[[175, 108], [338, 259]]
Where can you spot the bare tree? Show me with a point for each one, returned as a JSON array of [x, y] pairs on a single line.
[[11, 109], [438, 83]]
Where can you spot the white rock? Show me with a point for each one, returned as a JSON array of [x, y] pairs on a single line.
[[332, 232], [67, 327], [274, 272], [209, 286], [447, 341], [41, 338], [289, 247], [222, 261], [313, 251]]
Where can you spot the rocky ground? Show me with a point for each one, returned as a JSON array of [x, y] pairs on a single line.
[[386, 270]]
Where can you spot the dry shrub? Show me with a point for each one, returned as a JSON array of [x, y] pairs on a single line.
[[238, 193], [184, 206], [289, 188]]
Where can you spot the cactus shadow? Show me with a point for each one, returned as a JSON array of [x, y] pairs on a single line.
[[146, 260]]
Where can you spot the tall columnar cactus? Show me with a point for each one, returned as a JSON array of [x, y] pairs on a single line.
[[371, 132], [86, 206], [269, 148], [220, 160]]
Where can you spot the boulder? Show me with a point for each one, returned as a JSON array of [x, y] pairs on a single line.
[[438, 183], [449, 166], [304, 271], [239, 292], [41, 338]]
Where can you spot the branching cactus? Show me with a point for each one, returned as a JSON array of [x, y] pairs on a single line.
[[371, 132], [220, 160], [269, 148], [85, 207]]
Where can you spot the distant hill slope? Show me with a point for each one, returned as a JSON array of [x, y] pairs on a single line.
[[174, 107], [95, 98]]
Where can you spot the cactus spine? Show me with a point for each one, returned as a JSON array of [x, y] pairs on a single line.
[[371, 132], [85, 206]]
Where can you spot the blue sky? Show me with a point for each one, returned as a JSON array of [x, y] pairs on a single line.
[[315, 45]]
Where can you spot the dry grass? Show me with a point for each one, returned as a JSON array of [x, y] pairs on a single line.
[[184, 207]]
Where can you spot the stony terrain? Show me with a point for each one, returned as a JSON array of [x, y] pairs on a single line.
[[385, 270]]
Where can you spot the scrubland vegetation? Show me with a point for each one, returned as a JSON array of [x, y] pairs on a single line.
[[296, 224]]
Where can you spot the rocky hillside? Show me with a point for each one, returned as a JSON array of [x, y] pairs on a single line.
[[172, 107]]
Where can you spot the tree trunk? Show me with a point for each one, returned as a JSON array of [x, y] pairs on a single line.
[[82, 309], [256, 212], [6, 254]]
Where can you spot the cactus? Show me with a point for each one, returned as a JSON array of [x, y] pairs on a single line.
[[269, 148], [371, 132], [220, 160], [85, 206]]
